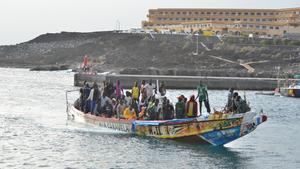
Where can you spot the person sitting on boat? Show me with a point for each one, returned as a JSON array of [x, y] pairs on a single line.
[[120, 108], [129, 113], [79, 103], [241, 105], [203, 97], [93, 97], [108, 108], [191, 107], [135, 92], [180, 108], [142, 114], [119, 90]]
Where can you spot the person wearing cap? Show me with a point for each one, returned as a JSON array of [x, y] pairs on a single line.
[[191, 107], [203, 97], [180, 108]]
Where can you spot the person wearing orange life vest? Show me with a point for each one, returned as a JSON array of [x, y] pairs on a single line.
[[191, 107], [129, 113]]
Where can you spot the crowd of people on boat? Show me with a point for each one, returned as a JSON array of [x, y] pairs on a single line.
[[146, 101]]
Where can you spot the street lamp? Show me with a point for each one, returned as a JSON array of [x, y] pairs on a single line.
[[197, 47]]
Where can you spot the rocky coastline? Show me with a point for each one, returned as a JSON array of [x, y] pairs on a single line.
[[143, 54]]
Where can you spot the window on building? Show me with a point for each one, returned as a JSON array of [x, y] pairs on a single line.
[[160, 12], [183, 19], [196, 13], [226, 13], [271, 13], [246, 13], [257, 20], [271, 27], [195, 19], [178, 13], [220, 19], [264, 27], [226, 19], [183, 13], [190, 13], [159, 19], [258, 13], [177, 19], [239, 13], [208, 13], [233, 13], [172, 13], [265, 13], [251, 19], [215, 13], [264, 20], [171, 19], [188, 19], [245, 19], [257, 26], [251, 26], [213, 19], [252, 13], [232, 19], [238, 19], [200, 19], [202, 13], [276, 27], [270, 19], [245, 26], [208, 19], [221, 13]]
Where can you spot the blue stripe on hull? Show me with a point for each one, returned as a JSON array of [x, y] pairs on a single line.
[[220, 137]]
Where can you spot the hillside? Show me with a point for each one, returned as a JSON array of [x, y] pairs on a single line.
[[157, 54]]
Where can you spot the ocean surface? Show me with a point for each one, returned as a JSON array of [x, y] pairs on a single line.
[[34, 132]]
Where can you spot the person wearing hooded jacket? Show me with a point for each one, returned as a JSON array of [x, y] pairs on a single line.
[[191, 107]]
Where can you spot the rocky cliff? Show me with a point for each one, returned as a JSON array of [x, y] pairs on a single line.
[[155, 54]]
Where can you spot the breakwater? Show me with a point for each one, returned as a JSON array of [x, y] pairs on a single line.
[[184, 82]]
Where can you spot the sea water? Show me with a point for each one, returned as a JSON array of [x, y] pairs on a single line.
[[34, 132]]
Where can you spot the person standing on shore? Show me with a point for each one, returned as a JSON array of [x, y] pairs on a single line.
[[203, 97]]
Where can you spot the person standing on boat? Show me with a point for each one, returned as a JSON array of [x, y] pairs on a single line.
[[229, 99], [143, 90], [120, 109], [93, 97], [191, 107], [149, 89], [86, 93], [135, 92], [119, 90], [203, 97], [180, 108], [162, 89]]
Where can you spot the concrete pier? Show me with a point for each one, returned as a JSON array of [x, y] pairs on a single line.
[[183, 82]]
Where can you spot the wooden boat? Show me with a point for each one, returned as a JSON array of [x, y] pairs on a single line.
[[216, 129]]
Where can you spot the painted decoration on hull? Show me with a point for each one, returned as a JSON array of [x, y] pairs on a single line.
[[220, 137], [186, 129]]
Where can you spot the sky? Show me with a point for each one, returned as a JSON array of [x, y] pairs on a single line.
[[23, 20]]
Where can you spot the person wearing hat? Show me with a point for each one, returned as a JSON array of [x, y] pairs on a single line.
[[180, 108], [191, 107]]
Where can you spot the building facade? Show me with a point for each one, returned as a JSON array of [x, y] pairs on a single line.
[[270, 22]]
